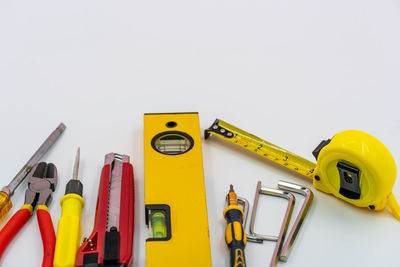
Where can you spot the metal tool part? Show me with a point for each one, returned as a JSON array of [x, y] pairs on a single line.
[[42, 182], [271, 192], [286, 187], [76, 164], [246, 207], [10, 188], [308, 197], [114, 195], [259, 238]]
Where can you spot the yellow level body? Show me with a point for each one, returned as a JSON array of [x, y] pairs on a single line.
[[353, 166], [175, 196]]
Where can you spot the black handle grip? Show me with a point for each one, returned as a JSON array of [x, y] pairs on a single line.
[[235, 237]]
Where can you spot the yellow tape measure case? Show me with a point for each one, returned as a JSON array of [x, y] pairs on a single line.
[[175, 197]]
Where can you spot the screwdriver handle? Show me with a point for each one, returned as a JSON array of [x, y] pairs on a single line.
[[5, 204], [69, 230], [235, 235]]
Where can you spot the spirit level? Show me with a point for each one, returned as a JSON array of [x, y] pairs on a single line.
[[175, 197], [353, 166]]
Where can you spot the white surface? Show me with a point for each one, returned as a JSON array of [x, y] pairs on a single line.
[[292, 72]]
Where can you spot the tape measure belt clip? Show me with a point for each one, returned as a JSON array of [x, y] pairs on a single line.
[[349, 181]]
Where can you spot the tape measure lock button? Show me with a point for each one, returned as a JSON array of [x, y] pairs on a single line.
[[320, 147]]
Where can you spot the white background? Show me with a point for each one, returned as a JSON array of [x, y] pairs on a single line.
[[291, 72]]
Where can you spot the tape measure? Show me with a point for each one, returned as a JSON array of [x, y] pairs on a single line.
[[353, 166]]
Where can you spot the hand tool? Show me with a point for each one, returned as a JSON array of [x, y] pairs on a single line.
[[259, 238], [308, 198], [353, 166], [285, 224], [111, 242], [235, 236], [8, 191], [69, 225], [283, 247], [41, 183], [175, 196]]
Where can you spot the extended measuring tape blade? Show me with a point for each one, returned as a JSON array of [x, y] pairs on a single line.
[[261, 147], [353, 166]]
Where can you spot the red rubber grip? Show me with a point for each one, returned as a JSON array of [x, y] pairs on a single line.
[[48, 237], [12, 227]]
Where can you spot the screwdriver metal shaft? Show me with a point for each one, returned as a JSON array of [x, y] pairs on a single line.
[[76, 164]]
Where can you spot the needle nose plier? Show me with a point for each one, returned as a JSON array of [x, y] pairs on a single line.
[[42, 181]]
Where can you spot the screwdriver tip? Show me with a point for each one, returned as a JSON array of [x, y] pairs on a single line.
[[231, 188]]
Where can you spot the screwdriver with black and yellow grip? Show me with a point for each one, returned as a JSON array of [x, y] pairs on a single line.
[[69, 225], [235, 235]]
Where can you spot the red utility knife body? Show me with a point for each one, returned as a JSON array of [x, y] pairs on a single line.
[[111, 242]]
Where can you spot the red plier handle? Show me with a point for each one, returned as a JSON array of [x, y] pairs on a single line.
[[14, 225], [47, 233], [46, 230]]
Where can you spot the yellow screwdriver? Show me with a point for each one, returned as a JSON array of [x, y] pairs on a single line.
[[69, 225], [8, 190]]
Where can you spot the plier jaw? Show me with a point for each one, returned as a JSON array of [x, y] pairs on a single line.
[[42, 181]]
